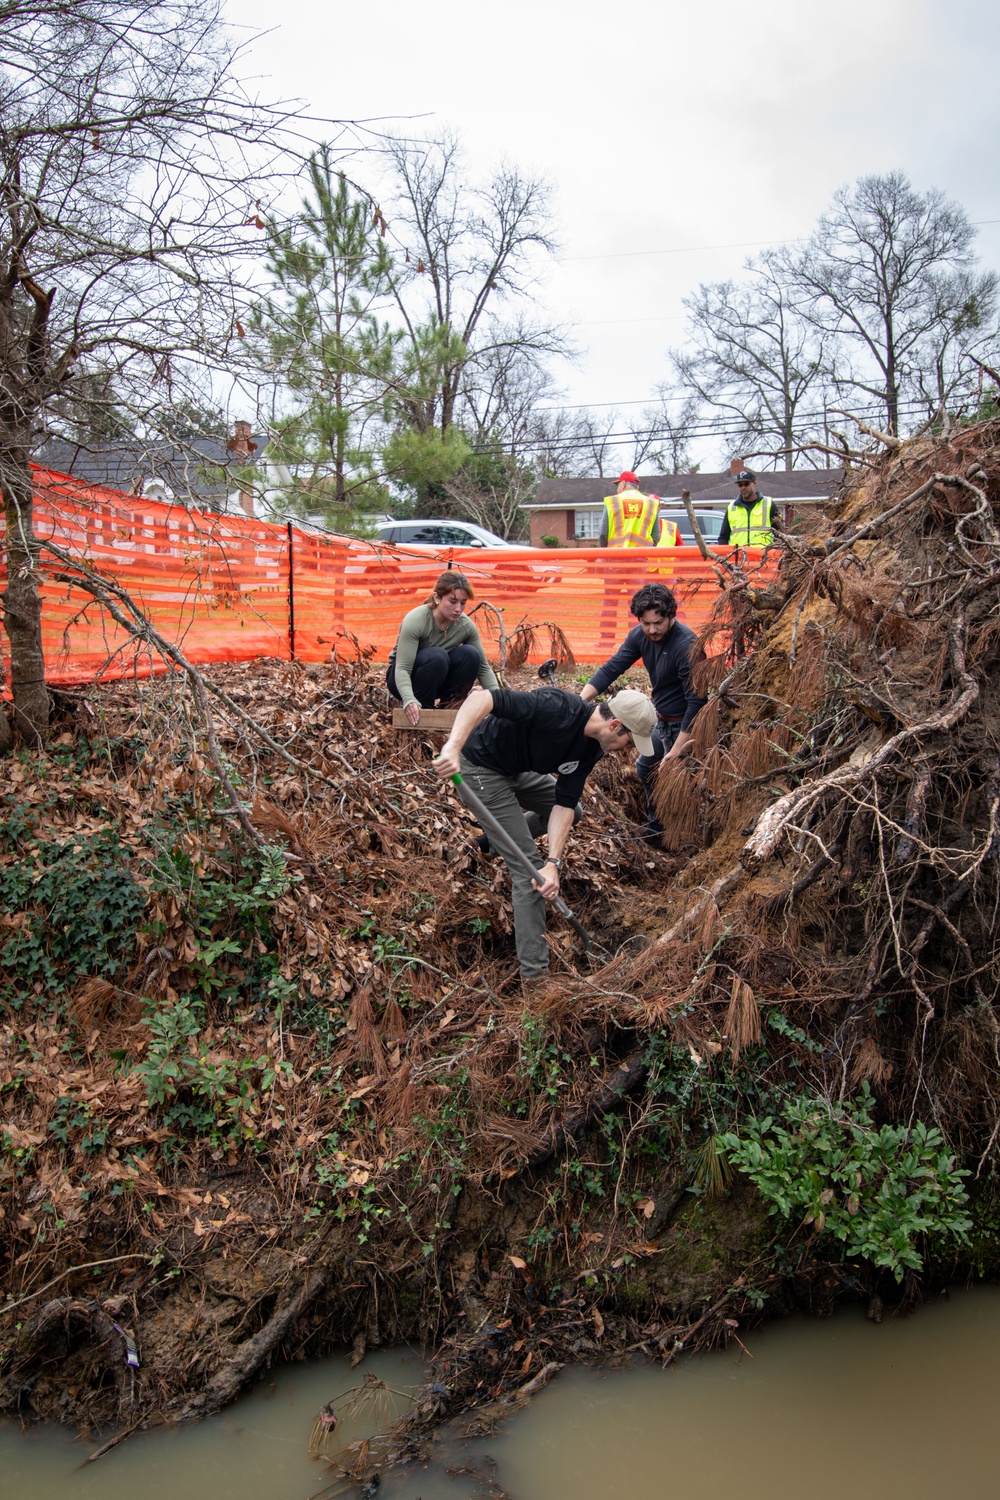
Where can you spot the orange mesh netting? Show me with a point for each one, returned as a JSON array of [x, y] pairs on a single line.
[[231, 589]]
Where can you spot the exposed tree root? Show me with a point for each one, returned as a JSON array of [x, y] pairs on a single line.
[[251, 1356]]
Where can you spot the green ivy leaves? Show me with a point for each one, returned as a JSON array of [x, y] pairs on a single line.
[[877, 1190]]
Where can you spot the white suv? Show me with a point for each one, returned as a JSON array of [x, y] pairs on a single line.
[[432, 533]]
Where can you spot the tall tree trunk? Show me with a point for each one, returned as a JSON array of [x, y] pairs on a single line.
[[22, 603], [891, 385], [892, 406]]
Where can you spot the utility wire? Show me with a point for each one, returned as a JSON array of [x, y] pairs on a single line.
[[597, 405], [708, 427], [694, 249], [679, 249]]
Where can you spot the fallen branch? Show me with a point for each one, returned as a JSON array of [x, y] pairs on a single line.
[[484, 1417], [227, 1382], [89, 1265], [835, 547], [112, 1442], [531, 1387], [126, 613], [719, 563], [114, 599], [892, 443], [846, 452], [988, 369], [720, 888]]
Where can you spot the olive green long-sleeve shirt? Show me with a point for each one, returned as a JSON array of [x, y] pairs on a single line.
[[418, 629]]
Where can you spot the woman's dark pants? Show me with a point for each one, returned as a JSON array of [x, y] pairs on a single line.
[[439, 675]]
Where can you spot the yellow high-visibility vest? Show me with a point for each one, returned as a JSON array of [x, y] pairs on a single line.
[[751, 528], [670, 535], [630, 518]]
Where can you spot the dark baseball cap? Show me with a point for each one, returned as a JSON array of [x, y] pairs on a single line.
[[745, 477]]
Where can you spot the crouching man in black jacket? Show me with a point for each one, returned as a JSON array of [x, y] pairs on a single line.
[[527, 756], [664, 647]]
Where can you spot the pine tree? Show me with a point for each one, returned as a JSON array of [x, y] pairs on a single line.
[[332, 357]]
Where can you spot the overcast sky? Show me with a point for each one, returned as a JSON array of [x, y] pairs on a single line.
[[693, 134]]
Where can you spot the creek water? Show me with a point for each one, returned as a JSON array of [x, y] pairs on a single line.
[[900, 1411]]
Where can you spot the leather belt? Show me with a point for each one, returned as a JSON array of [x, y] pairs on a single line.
[[670, 718]]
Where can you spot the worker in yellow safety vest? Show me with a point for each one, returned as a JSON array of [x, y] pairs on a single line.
[[631, 519], [750, 520], [670, 533], [670, 536]]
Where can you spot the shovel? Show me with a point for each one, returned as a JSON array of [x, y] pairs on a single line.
[[501, 839]]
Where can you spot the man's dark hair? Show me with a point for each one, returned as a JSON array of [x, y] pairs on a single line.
[[604, 710], [653, 596]]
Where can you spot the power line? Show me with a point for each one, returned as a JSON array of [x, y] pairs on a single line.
[[693, 249], [708, 427], [680, 249], [643, 401]]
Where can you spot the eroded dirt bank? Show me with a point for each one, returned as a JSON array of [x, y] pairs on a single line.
[[263, 1095]]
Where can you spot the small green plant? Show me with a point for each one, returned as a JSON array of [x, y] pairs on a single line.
[[229, 914], [778, 1022], [79, 909], [70, 1123], [198, 1090], [550, 541], [14, 1160], [541, 1058], [875, 1189], [386, 948]]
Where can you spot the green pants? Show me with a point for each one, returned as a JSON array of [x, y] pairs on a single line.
[[521, 805]]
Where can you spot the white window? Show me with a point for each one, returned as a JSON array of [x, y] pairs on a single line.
[[588, 523]]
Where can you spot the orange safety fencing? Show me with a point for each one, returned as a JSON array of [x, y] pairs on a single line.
[[225, 588]]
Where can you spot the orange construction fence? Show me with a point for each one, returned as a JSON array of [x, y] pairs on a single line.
[[226, 588]]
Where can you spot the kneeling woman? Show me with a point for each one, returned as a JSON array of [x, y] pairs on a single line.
[[438, 654]]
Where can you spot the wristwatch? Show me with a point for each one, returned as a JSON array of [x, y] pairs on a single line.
[[556, 862]]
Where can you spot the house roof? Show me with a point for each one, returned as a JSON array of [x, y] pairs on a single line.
[[192, 468], [780, 484]]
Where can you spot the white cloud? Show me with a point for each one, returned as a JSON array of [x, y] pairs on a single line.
[[663, 126]]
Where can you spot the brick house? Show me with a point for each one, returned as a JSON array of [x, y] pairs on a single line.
[[570, 509]]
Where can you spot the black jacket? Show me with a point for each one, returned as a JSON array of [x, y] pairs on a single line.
[[668, 663], [541, 732], [725, 530]]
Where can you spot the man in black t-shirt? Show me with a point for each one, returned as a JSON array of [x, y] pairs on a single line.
[[530, 753]]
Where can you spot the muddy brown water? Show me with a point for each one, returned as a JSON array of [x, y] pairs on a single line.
[[902, 1411]]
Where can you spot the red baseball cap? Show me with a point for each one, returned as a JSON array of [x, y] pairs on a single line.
[[627, 478]]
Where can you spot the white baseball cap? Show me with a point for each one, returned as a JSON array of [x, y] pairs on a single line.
[[638, 715]]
